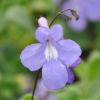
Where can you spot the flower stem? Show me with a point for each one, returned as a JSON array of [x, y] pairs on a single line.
[[73, 12], [35, 84]]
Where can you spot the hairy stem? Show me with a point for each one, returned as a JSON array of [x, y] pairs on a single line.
[[35, 84], [58, 14]]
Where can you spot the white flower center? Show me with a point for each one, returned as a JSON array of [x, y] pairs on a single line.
[[50, 52]]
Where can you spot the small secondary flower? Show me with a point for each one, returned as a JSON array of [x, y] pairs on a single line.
[[88, 10], [54, 54], [42, 92]]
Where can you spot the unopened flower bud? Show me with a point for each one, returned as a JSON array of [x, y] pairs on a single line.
[[74, 13], [43, 22]]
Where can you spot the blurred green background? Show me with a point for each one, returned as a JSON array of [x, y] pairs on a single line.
[[18, 20]]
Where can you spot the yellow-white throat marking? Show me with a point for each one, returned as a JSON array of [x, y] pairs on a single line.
[[50, 52]]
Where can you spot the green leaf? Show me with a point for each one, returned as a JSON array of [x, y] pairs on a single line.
[[3, 21], [28, 97], [69, 93], [41, 6], [81, 69], [94, 66], [20, 16]]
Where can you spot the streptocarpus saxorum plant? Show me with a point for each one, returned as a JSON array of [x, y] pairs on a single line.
[[53, 54]]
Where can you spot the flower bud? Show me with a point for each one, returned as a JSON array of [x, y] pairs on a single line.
[[43, 22]]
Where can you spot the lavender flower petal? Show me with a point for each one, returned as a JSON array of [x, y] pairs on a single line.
[[93, 10], [78, 25], [69, 51], [54, 75], [56, 32], [51, 97], [70, 76], [42, 93], [42, 34], [86, 9], [77, 5], [78, 61], [32, 57]]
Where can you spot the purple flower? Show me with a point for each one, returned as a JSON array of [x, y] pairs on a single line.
[[70, 73], [86, 9], [54, 54], [42, 92]]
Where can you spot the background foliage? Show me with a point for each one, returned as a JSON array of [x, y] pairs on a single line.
[[18, 20]]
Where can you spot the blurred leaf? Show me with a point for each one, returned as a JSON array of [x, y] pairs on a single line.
[[28, 97], [81, 70], [8, 88], [5, 4], [3, 21], [20, 16], [39, 5], [93, 89], [42, 6], [94, 66]]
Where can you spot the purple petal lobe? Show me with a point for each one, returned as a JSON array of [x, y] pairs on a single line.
[[81, 23], [92, 10], [32, 56], [41, 90], [54, 75], [78, 25], [69, 51], [70, 76], [42, 34], [78, 61], [57, 32]]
